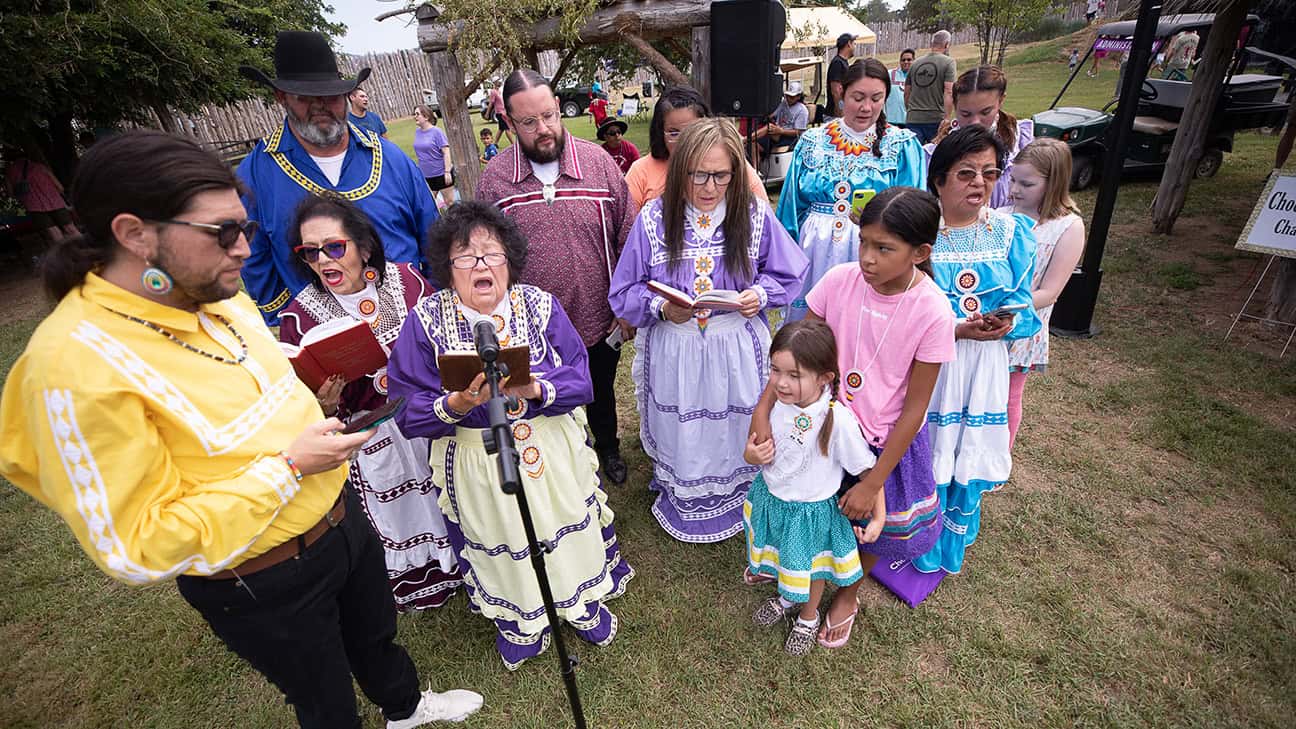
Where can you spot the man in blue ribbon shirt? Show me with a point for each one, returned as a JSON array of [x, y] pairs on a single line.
[[317, 151]]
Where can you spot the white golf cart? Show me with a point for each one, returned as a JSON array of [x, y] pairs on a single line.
[[775, 165]]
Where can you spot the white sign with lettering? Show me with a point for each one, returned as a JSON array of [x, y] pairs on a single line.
[[1272, 227]]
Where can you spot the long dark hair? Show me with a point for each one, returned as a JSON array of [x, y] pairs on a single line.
[[814, 349], [357, 226], [673, 98], [989, 78], [910, 214], [965, 141], [871, 68], [699, 138], [145, 173]]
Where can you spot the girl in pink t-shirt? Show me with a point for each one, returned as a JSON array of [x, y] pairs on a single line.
[[894, 328]]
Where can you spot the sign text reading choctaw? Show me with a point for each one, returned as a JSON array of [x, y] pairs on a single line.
[[1272, 227]]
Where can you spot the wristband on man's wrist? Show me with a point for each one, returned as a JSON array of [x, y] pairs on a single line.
[[296, 472]]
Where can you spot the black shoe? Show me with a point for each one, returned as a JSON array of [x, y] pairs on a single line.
[[613, 466]]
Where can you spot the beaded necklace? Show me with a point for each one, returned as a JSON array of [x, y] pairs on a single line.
[[223, 360]]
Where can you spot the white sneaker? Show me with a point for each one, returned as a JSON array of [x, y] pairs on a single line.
[[453, 705]]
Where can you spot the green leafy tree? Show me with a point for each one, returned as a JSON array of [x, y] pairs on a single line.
[[997, 22], [926, 16], [103, 62]]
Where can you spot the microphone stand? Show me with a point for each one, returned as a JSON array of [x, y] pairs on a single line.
[[499, 442]]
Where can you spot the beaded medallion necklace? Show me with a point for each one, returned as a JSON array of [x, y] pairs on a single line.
[[223, 360]]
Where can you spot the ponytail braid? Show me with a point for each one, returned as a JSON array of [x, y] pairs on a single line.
[[880, 128]]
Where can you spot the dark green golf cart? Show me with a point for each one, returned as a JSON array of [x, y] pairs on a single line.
[[1249, 101]]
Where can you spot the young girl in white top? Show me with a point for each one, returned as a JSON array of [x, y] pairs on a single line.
[[795, 530], [1040, 185]]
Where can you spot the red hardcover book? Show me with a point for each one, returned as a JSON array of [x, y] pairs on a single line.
[[718, 299], [344, 347]]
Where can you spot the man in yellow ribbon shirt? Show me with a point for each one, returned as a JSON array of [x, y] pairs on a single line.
[[154, 412]]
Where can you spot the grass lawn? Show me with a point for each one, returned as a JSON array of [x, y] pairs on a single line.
[[1136, 571]]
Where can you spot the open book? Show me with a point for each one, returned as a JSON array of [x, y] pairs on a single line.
[[344, 347], [459, 368], [719, 299]]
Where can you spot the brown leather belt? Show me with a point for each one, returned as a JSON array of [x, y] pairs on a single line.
[[290, 548]]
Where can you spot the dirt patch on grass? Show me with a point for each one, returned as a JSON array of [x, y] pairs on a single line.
[[20, 290]]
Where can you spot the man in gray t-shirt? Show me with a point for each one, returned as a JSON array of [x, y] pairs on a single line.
[[787, 122], [929, 89]]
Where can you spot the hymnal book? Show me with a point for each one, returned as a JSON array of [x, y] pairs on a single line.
[[459, 368], [344, 347], [720, 299]]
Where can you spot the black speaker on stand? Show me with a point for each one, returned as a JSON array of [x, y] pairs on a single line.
[[746, 36]]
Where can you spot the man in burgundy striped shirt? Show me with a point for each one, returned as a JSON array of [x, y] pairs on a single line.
[[571, 202]]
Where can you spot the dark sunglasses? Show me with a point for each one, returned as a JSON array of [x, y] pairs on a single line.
[[227, 233], [334, 249], [968, 174]]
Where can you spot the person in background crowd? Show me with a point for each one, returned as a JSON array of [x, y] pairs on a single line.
[[495, 112], [359, 114], [317, 151], [1091, 10], [982, 260], [598, 109], [978, 99], [35, 187], [489, 148], [895, 107], [787, 123], [432, 149], [1073, 60], [698, 373], [837, 72], [1181, 55], [612, 134], [154, 412], [929, 89], [858, 154], [1041, 183], [339, 249], [676, 108], [477, 256], [570, 201]]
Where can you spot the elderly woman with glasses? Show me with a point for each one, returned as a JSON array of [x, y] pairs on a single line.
[[478, 255], [984, 260], [338, 250], [698, 373]]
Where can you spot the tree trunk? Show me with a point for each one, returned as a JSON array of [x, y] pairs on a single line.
[[701, 63], [62, 154], [1191, 137], [165, 118], [670, 75], [1282, 297], [449, 78]]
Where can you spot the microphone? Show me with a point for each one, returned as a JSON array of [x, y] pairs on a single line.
[[484, 339]]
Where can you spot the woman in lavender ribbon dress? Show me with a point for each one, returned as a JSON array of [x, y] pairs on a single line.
[[699, 373], [478, 255], [338, 248]]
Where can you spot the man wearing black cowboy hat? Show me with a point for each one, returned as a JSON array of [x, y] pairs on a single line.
[[318, 151], [612, 134]]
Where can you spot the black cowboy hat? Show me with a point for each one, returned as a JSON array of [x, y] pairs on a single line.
[[608, 124], [305, 65]]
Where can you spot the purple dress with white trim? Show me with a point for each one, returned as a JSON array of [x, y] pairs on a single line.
[[559, 472], [697, 383]]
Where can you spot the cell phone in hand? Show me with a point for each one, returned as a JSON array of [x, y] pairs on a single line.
[[1007, 309], [375, 417], [859, 199], [614, 340]]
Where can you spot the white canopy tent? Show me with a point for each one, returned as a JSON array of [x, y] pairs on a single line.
[[818, 28]]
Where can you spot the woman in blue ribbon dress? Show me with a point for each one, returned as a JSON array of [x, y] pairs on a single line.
[[859, 151], [983, 260], [699, 373]]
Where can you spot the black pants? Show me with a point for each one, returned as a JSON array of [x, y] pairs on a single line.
[[603, 361], [315, 621]]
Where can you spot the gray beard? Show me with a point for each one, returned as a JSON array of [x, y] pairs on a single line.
[[314, 135]]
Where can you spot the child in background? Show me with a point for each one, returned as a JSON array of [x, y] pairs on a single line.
[[1074, 61], [795, 531], [893, 330], [1041, 180], [489, 150]]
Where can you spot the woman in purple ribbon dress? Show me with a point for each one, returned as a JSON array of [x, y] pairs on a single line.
[[337, 247], [698, 373], [478, 255]]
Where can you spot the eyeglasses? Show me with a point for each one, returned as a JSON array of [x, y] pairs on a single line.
[[227, 233], [967, 175], [470, 261], [700, 178], [674, 134], [334, 249], [532, 123]]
